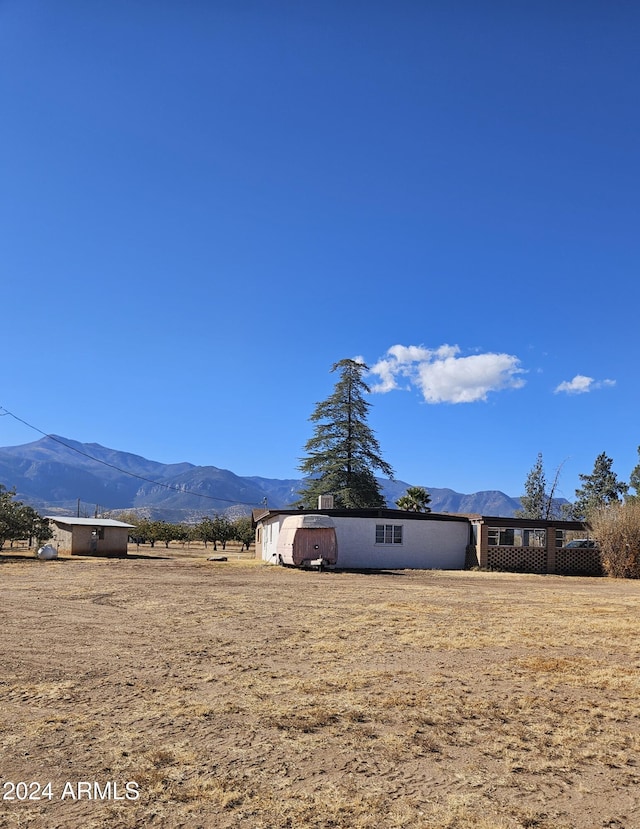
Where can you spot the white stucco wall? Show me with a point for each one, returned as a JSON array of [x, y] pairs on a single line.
[[426, 543], [270, 531]]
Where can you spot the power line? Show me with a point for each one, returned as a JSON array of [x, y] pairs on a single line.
[[6, 412]]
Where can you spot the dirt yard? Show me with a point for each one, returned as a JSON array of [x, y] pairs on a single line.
[[170, 691]]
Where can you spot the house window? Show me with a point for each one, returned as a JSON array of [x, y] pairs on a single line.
[[516, 537], [388, 533]]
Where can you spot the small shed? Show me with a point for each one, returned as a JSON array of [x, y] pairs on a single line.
[[89, 536]]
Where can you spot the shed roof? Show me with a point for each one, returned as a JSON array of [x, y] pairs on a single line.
[[87, 522]]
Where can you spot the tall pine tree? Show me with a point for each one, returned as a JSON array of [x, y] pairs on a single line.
[[599, 489], [343, 453], [634, 481], [535, 502]]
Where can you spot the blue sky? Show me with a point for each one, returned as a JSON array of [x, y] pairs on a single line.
[[204, 205]]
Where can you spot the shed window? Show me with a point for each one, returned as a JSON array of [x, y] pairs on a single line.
[[388, 533]]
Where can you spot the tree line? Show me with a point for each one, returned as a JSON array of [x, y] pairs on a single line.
[[600, 489], [215, 531]]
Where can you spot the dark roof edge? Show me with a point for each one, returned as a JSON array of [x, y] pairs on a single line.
[[385, 512], [526, 522], [382, 512]]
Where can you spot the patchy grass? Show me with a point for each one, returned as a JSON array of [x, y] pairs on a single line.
[[242, 695]]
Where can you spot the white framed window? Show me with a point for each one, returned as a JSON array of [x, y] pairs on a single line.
[[388, 533]]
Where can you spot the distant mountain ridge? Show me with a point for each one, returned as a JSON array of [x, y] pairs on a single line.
[[56, 474]]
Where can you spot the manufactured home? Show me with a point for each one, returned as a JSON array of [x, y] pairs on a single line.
[[371, 539], [364, 538]]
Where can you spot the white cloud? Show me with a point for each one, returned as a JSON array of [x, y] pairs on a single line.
[[442, 376], [386, 372], [581, 384]]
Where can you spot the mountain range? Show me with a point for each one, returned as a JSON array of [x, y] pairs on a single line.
[[58, 475]]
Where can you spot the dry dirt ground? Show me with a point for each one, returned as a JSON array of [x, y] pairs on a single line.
[[236, 694]]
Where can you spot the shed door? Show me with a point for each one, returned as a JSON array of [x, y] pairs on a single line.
[[309, 544]]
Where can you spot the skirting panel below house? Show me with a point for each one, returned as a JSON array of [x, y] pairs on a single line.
[[517, 559], [578, 561], [569, 561]]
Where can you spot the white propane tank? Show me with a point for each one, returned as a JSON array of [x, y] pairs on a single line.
[[47, 552]]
